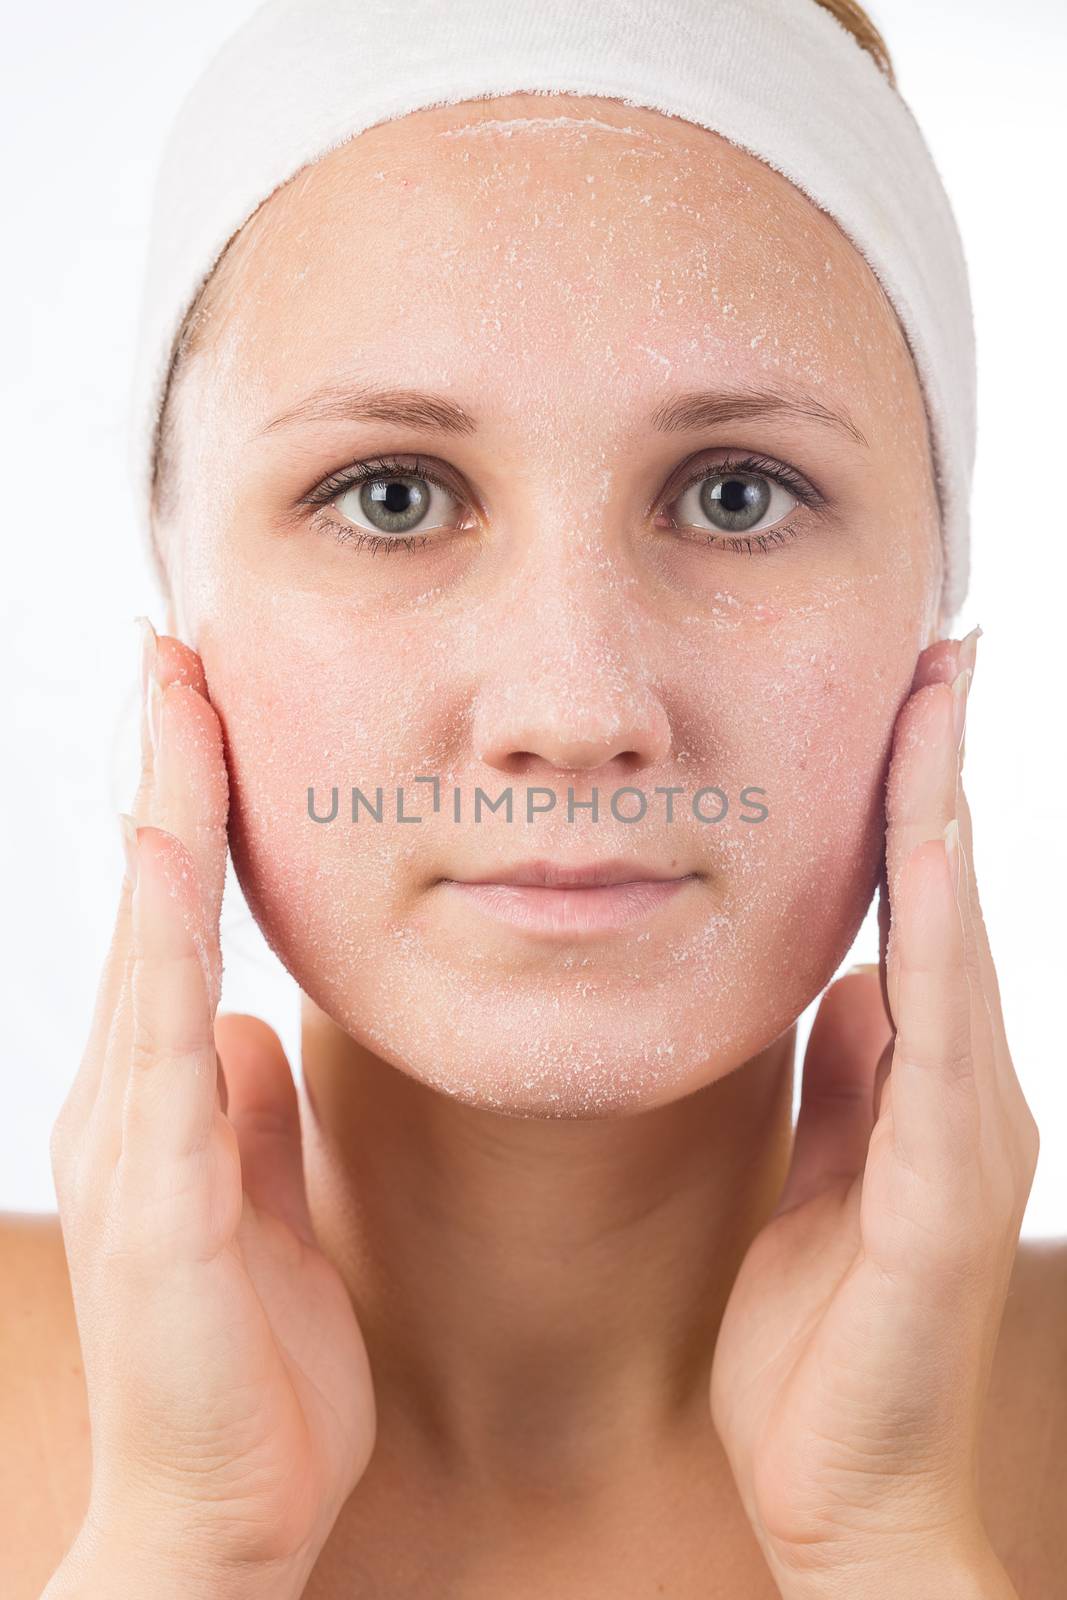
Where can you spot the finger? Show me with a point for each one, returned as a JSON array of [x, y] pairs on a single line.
[[935, 1105], [164, 660], [190, 795], [1009, 1133], [175, 662], [977, 934], [179, 664], [836, 1115], [265, 1114], [921, 786], [111, 995], [988, 1043], [170, 1102], [82, 1092], [184, 791], [1015, 1121], [180, 726], [936, 664], [922, 798]]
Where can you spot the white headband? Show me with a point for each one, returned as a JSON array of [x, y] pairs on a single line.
[[782, 79]]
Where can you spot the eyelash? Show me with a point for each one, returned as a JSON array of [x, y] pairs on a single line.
[[338, 483]]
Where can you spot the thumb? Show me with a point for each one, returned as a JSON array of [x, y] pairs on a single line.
[[836, 1107], [263, 1109]]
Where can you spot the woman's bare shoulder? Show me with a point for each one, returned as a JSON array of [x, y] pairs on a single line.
[[44, 1424]]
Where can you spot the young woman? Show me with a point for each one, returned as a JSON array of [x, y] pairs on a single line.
[[530, 1289]]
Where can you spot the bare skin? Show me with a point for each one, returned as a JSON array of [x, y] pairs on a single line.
[[695, 1526], [674, 645]]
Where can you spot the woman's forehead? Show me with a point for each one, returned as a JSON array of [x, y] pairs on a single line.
[[572, 232]]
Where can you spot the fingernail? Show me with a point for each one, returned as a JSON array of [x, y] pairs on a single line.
[[149, 650], [960, 685], [155, 712], [951, 836], [151, 692], [863, 966], [969, 649], [128, 831]]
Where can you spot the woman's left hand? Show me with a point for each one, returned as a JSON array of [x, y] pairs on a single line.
[[855, 1351]]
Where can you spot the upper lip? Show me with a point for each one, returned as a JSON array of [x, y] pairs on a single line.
[[557, 875]]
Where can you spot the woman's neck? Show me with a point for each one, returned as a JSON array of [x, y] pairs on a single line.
[[515, 1277]]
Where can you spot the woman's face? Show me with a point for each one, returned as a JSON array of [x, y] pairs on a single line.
[[576, 603]]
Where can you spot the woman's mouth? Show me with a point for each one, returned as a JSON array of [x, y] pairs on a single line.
[[547, 898]]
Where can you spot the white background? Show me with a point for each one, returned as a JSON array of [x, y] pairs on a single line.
[[88, 92]]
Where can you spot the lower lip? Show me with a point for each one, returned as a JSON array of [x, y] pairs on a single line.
[[570, 912]]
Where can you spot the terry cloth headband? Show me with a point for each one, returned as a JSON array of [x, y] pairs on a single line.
[[783, 79]]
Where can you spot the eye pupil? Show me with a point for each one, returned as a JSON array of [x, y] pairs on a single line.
[[395, 497], [735, 504], [394, 505]]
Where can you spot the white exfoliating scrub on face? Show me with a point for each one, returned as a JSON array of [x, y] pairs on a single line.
[[562, 278]]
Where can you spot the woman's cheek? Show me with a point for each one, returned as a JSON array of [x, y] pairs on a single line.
[[829, 708], [306, 719]]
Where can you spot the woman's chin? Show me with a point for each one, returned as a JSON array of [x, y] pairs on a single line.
[[574, 1047]]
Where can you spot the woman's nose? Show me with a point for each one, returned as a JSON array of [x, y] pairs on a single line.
[[567, 685]]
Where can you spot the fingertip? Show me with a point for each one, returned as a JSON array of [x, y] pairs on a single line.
[[241, 1031], [936, 664], [177, 663], [857, 1000], [258, 1068], [247, 1021], [194, 743]]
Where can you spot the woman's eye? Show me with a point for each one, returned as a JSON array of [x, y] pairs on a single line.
[[734, 502], [395, 504], [392, 504]]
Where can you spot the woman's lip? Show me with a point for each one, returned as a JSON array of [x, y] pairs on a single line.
[[570, 912], [547, 874]]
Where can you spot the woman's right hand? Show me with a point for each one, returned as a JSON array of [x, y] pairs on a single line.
[[230, 1398]]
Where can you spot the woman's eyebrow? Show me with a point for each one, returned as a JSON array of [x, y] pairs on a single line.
[[434, 413]]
